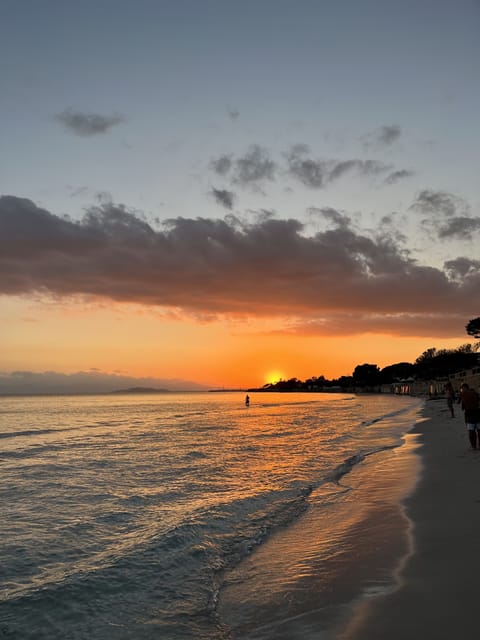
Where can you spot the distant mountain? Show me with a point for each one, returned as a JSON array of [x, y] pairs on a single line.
[[141, 390], [93, 381]]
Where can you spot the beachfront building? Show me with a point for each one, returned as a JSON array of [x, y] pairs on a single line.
[[470, 376]]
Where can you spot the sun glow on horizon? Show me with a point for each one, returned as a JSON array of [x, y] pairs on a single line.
[[273, 376]]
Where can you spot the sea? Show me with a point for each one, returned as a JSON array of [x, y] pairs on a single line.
[[181, 516]]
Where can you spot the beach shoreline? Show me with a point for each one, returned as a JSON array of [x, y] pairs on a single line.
[[307, 580], [437, 594]]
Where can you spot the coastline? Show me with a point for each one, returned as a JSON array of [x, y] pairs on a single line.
[[306, 580], [437, 594]]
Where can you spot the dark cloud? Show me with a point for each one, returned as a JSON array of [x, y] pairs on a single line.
[[462, 267], [462, 227], [210, 266], [255, 166], [395, 176], [339, 220], [439, 203], [88, 124], [312, 173], [448, 215], [318, 173], [223, 197], [222, 165], [383, 136]]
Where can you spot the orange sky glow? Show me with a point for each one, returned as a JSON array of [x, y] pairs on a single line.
[[140, 342]]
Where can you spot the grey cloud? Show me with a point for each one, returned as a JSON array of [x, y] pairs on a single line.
[[438, 203], [310, 172], [318, 173], [223, 197], [340, 220], [88, 124], [222, 165], [233, 114], [389, 133], [461, 227], [252, 169], [363, 167], [448, 215], [255, 166], [388, 231], [383, 136], [265, 267], [209, 266], [462, 267], [395, 176], [92, 381]]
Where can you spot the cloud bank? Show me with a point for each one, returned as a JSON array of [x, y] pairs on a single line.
[[264, 267], [27, 382]]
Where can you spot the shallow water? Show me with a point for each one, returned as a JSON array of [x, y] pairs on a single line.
[[124, 515]]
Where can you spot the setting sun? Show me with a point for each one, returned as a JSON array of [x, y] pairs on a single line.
[[273, 376]]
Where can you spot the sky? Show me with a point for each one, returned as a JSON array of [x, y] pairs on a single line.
[[220, 193]]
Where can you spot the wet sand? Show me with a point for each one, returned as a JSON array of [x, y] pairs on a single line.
[[305, 580], [438, 594]]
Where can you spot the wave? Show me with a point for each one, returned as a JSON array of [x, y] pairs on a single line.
[[347, 465]]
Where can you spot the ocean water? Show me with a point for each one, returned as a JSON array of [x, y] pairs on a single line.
[[168, 516]]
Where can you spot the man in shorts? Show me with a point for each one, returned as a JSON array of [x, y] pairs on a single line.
[[470, 406]]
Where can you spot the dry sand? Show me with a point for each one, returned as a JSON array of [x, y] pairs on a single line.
[[439, 594]]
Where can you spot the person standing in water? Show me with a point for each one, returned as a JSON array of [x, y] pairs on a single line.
[[247, 400]]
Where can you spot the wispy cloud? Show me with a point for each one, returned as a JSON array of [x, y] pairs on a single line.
[[233, 113], [317, 173], [263, 267], [459, 227], [257, 166], [223, 197], [382, 137], [448, 215], [396, 176], [250, 170], [406, 324], [222, 164], [254, 167], [440, 203], [88, 124]]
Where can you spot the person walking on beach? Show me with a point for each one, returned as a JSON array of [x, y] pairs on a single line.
[[450, 393], [470, 406]]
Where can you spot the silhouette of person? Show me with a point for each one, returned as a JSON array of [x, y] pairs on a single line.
[[450, 393], [470, 406], [247, 400]]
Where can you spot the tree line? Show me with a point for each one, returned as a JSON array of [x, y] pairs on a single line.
[[430, 365]]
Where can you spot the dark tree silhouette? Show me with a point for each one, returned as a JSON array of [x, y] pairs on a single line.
[[366, 375], [473, 328]]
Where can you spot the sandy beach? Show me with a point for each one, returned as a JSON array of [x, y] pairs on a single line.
[[437, 597]]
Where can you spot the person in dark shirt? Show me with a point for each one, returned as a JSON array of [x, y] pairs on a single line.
[[470, 406]]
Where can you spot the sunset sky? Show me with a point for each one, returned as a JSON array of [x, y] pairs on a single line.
[[229, 193]]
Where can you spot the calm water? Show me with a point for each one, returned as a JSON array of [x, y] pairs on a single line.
[[123, 516]]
